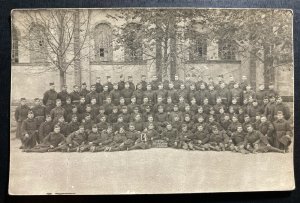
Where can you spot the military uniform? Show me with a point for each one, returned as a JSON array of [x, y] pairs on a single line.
[[115, 95], [99, 87], [170, 136], [127, 94], [44, 129], [57, 112], [29, 127], [63, 95], [91, 95], [75, 97], [49, 99], [21, 113], [139, 95], [282, 128], [284, 108], [72, 127]]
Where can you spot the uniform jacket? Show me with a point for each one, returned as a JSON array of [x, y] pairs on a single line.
[[54, 139], [21, 113], [50, 97]]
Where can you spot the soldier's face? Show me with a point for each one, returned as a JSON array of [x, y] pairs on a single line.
[[231, 110], [105, 88], [150, 127], [133, 100], [76, 89], [83, 86], [52, 87], [200, 110], [200, 128], [211, 119], [202, 86], [23, 102], [122, 101], [88, 109], [279, 116], [247, 119], [56, 130], [231, 78], [221, 111], [150, 119], [272, 99], [239, 129], [205, 101], [87, 118], [187, 108], [31, 115], [175, 108], [236, 85], [108, 100], [74, 110], [261, 87], [182, 87], [61, 119], [159, 99], [74, 119], [136, 110], [139, 86], [181, 99], [68, 101], [82, 100], [254, 103], [184, 129], [58, 103], [169, 127], [109, 130], [143, 78], [193, 101], [126, 85], [103, 119], [146, 100], [98, 80], [94, 130], [37, 102], [271, 86], [234, 101], [93, 88], [257, 118], [93, 101], [81, 130], [131, 128], [171, 86], [211, 87], [124, 111], [279, 100], [169, 100], [215, 131], [120, 119], [244, 78], [219, 101], [187, 118], [176, 118], [176, 77], [234, 119], [248, 87], [263, 119], [148, 87], [160, 110], [115, 110], [249, 129], [48, 119], [138, 117]]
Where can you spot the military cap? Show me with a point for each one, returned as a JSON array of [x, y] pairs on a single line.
[[93, 85], [131, 124], [136, 107], [87, 114], [48, 115], [84, 83], [266, 97], [272, 96], [93, 98], [68, 97], [175, 105], [184, 125], [214, 128], [108, 77], [101, 108], [82, 97], [246, 115], [254, 100], [51, 83], [271, 83], [36, 99], [22, 99], [30, 112], [88, 105], [234, 115], [258, 114], [108, 97], [81, 126], [187, 115], [75, 86], [124, 107], [120, 116], [133, 96], [239, 125], [74, 116], [278, 97], [105, 85], [56, 126], [115, 107], [57, 100], [129, 76], [94, 126], [121, 98], [143, 76], [147, 107]]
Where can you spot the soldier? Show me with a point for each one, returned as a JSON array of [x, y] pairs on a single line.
[[225, 122], [161, 118], [211, 123], [177, 82], [201, 139], [75, 140], [113, 117], [262, 107], [93, 139], [94, 108], [223, 93], [73, 125], [247, 121], [238, 138], [218, 105], [108, 84], [256, 121], [200, 82], [234, 105], [102, 124], [63, 125], [75, 95], [210, 82], [21, 114], [231, 82], [39, 111], [150, 120], [206, 106], [127, 93], [145, 103], [29, 131], [283, 132], [146, 113], [45, 128], [136, 111], [115, 94], [98, 85], [174, 113], [145, 139], [139, 93], [254, 109], [257, 142], [237, 93], [50, 142], [154, 83], [93, 94], [185, 138], [133, 104], [181, 104], [267, 129], [104, 95], [131, 84], [120, 124], [63, 95], [125, 114], [121, 84], [106, 140], [87, 122], [220, 80], [183, 92], [119, 140], [232, 128], [212, 95], [218, 140], [177, 123], [241, 115], [169, 106], [261, 93], [173, 93], [243, 83], [200, 113], [270, 109], [100, 114], [150, 94], [170, 135], [143, 83], [108, 106], [193, 106], [203, 93], [81, 107], [248, 92], [188, 122], [68, 109], [57, 111], [192, 93], [282, 107], [50, 97], [161, 92], [132, 136]]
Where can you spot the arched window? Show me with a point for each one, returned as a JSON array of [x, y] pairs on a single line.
[[103, 42], [198, 47], [227, 50], [37, 44], [133, 47], [15, 46]]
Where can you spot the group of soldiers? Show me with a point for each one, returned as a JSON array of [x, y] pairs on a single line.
[[212, 115]]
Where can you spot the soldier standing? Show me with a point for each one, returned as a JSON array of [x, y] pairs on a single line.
[[98, 85], [75, 95], [63, 95], [21, 115], [50, 97]]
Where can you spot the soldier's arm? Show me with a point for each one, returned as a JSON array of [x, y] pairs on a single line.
[[46, 139], [288, 128], [287, 112], [17, 113], [45, 98]]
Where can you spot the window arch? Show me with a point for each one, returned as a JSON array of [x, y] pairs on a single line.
[[15, 46], [227, 50], [133, 47], [37, 44], [103, 42], [198, 47]]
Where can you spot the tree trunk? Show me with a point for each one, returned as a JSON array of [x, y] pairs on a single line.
[[158, 58], [62, 78], [77, 63], [165, 58], [173, 49]]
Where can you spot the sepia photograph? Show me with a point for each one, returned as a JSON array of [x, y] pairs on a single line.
[[151, 101]]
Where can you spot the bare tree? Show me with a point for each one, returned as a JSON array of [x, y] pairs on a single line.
[[54, 38]]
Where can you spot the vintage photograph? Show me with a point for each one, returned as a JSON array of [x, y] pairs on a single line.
[[152, 100]]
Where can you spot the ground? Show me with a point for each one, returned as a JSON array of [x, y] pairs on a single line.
[[147, 171]]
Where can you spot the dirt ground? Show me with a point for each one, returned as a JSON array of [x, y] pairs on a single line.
[[148, 171]]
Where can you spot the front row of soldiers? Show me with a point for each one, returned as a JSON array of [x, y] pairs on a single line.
[[251, 136]]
